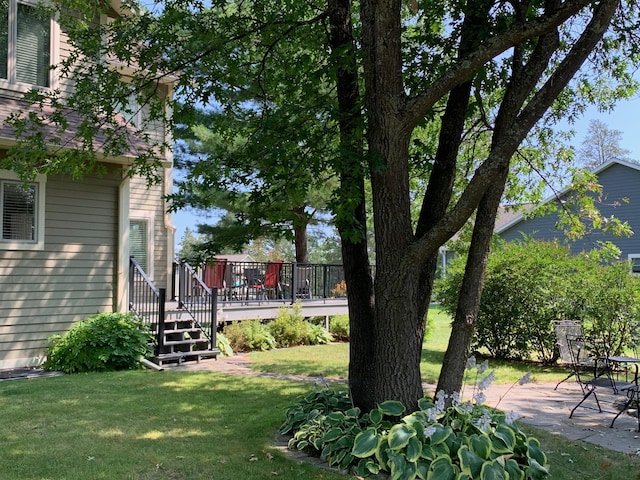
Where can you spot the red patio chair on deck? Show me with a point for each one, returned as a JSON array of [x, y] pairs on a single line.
[[213, 274], [272, 279]]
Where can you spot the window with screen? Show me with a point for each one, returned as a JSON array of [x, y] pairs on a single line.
[[25, 43], [139, 242], [19, 205]]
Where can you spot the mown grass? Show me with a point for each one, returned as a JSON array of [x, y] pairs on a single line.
[[181, 425], [147, 425], [332, 361]]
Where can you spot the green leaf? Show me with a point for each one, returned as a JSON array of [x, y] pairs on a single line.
[[514, 470], [440, 435], [470, 462], [414, 449], [441, 469], [480, 444], [534, 452], [392, 408], [493, 471], [375, 416], [535, 471], [399, 436], [332, 435], [366, 443]]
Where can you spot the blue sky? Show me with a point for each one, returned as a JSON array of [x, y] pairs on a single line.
[[625, 118]]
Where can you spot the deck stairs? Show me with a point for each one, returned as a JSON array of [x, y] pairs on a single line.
[[183, 340]]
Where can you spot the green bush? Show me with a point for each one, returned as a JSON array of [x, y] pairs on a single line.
[[339, 328], [317, 335], [290, 329], [530, 284], [103, 342], [251, 335]]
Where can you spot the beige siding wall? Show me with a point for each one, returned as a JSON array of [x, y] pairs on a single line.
[[45, 292], [148, 204]]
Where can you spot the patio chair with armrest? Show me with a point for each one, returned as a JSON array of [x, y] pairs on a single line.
[[272, 286], [565, 329], [213, 274], [302, 282], [254, 283]]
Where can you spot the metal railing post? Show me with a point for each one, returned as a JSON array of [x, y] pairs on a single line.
[[132, 283], [214, 316], [182, 274], [162, 298], [294, 282]]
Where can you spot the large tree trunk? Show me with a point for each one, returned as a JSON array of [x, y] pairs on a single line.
[[351, 218]]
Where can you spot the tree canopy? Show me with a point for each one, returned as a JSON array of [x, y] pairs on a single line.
[[311, 89]]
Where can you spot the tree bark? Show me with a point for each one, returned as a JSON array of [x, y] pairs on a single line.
[[351, 218]]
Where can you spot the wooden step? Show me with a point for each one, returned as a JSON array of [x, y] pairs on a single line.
[[181, 357]]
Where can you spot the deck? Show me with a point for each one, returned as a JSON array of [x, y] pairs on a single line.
[[267, 309]]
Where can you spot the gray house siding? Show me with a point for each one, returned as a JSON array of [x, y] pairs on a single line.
[[620, 198], [45, 292]]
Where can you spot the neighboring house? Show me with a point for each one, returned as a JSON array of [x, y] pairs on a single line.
[[65, 244], [620, 198]]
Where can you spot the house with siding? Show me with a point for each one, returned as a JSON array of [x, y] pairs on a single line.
[[66, 243], [620, 198]]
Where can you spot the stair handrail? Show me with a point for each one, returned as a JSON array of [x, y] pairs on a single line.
[[146, 301], [198, 300]]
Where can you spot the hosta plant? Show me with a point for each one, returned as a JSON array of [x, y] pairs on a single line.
[[465, 441]]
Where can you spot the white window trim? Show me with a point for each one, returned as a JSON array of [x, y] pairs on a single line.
[[631, 257], [38, 244], [54, 57], [149, 218]]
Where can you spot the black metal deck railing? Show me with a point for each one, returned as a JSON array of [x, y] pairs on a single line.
[[146, 301], [258, 282]]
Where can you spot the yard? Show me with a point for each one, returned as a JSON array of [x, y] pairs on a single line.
[[180, 425]]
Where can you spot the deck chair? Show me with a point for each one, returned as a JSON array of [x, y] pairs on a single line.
[[565, 329], [302, 282], [213, 274], [271, 285], [254, 283]]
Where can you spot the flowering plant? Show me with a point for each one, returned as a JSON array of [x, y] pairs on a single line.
[[463, 441]]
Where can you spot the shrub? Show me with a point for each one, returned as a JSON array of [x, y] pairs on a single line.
[[249, 335], [530, 284], [317, 335], [339, 328], [103, 342], [289, 328]]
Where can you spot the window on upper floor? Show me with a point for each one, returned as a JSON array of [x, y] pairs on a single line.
[[25, 43], [21, 213]]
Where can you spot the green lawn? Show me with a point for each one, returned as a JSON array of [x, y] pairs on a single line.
[[332, 361], [180, 425], [172, 425]]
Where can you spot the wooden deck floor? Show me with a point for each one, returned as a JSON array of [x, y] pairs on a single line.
[[267, 309]]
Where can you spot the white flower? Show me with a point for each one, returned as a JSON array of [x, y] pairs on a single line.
[[455, 399], [484, 422], [479, 398], [430, 430], [526, 378], [471, 362], [511, 417], [440, 398], [432, 414], [486, 381], [483, 367]]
